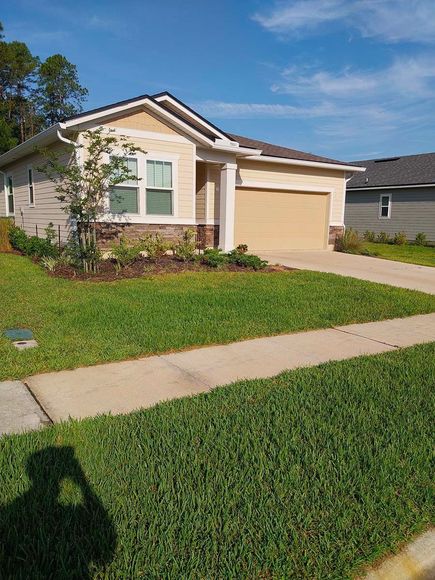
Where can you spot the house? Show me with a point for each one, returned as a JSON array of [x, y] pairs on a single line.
[[229, 188], [396, 194]]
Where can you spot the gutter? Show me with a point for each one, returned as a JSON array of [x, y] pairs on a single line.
[[321, 164]]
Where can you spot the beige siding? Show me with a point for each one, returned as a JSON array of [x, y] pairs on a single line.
[[311, 177], [46, 208], [201, 190], [2, 197], [141, 121], [213, 199], [281, 220]]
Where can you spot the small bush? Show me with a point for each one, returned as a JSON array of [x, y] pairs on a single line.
[[32, 246], [214, 258], [369, 236], [49, 263], [400, 239], [246, 260], [349, 242], [18, 239], [185, 248], [421, 239], [383, 238], [155, 246], [5, 225], [125, 253], [242, 248]]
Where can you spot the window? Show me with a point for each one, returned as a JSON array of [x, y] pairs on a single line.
[[124, 196], [385, 206], [31, 186], [159, 191], [10, 195]]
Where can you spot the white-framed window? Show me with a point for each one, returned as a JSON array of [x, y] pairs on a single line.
[[10, 201], [159, 188], [385, 206], [124, 197], [31, 186]]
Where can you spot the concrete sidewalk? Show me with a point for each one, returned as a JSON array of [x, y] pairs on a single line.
[[125, 386]]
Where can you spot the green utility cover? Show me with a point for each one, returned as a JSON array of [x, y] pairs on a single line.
[[18, 333]]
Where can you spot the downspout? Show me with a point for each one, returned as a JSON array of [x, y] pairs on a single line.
[[73, 225]]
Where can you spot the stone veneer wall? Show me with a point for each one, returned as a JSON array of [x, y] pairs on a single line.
[[108, 233], [334, 233]]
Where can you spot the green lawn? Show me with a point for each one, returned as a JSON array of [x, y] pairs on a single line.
[[83, 323], [311, 474], [423, 255]]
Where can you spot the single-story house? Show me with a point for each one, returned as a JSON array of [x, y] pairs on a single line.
[[228, 188], [395, 194]]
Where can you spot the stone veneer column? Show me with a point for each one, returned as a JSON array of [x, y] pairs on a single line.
[[227, 206]]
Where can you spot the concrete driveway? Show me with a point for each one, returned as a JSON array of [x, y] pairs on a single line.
[[399, 274]]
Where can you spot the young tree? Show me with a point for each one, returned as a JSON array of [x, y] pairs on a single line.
[[59, 94], [83, 188]]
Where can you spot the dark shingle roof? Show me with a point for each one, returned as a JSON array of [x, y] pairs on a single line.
[[284, 152], [406, 170]]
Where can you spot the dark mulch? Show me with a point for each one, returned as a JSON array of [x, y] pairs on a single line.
[[145, 267]]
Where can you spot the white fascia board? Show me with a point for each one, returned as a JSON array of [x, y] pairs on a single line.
[[323, 165], [245, 151], [202, 122], [282, 186], [390, 187], [28, 147], [159, 111]]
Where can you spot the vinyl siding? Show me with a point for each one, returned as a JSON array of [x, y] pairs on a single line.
[[2, 197], [311, 177], [47, 208], [201, 191], [141, 121], [213, 199], [412, 211]]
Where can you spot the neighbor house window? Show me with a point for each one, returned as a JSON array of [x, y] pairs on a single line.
[[124, 196], [159, 190], [31, 186], [10, 195], [385, 206]]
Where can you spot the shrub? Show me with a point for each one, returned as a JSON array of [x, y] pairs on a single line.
[[421, 239], [214, 258], [369, 236], [400, 239], [349, 242], [155, 246], [32, 246], [125, 253], [246, 260], [185, 248], [49, 263], [5, 226], [18, 239], [242, 248], [383, 238]]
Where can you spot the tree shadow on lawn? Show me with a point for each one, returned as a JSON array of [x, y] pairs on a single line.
[[58, 528]]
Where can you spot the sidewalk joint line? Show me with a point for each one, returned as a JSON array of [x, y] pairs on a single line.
[[188, 373], [366, 337], [29, 390]]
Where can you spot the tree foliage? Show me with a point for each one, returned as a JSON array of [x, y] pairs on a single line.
[[82, 186]]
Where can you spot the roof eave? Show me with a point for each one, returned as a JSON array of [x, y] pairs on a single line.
[[302, 162], [29, 146]]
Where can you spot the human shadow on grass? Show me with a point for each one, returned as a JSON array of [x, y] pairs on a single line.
[[58, 528]]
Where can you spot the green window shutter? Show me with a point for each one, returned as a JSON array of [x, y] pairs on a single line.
[[124, 200], [159, 202]]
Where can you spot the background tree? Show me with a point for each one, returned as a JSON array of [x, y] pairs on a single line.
[[59, 94], [83, 188]]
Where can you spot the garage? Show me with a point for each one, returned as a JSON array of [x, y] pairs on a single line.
[[281, 220]]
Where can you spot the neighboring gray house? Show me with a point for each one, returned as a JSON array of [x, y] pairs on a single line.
[[394, 194]]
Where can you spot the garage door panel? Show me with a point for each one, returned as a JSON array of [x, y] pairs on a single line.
[[278, 220]]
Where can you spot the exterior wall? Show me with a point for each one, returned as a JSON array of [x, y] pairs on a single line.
[[142, 121], [310, 177], [2, 197], [46, 207], [213, 191], [335, 232], [412, 211], [201, 191]]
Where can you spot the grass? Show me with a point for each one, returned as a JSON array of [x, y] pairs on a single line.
[[311, 474], [423, 255], [84, 323]]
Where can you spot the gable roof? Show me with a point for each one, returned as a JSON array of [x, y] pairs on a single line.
[[394, 171], [268, 149]]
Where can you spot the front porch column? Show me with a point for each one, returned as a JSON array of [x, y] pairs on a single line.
[[227, 206]]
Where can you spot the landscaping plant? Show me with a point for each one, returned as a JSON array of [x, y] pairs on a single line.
[[82, 186], [31, 246], [214, 257], [349, 242], [185, 248], [246, 260], [5, 226], [155, 246], [383, 238], [369, 236], [400, 239], [125, 253], [421, 239]]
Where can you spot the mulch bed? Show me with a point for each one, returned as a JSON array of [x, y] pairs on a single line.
[[144, 267]]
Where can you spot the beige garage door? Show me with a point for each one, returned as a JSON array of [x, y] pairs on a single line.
[[281, 220]]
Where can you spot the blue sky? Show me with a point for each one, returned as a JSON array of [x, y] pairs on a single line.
[[346, 79]]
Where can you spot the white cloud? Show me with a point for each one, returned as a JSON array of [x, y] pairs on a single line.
[[385, 20]]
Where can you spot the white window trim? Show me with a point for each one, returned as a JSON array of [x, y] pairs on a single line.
[[30, 168], [140, 178], [7, 177], [383, 217], [173, 159]]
